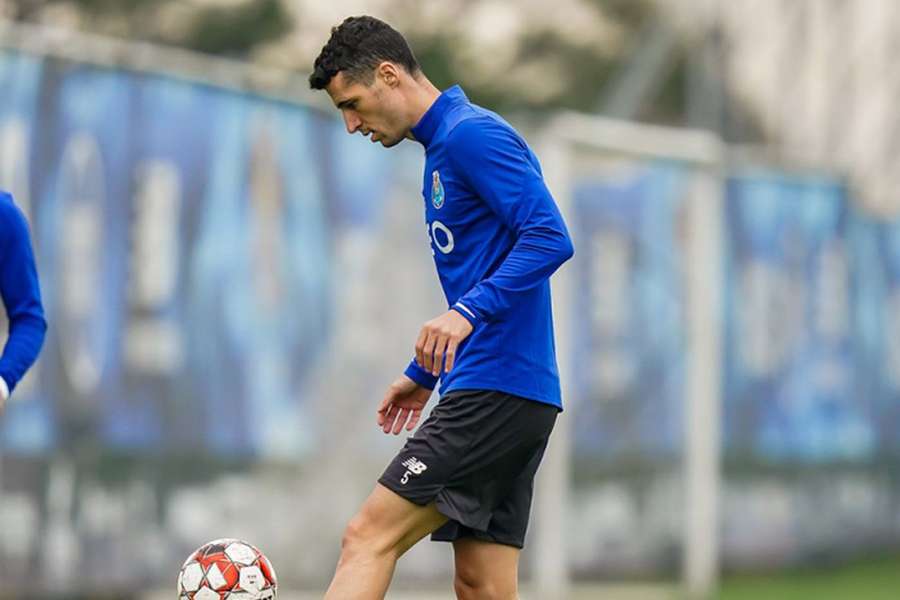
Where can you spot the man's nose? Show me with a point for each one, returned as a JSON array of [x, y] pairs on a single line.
[[352, 122]]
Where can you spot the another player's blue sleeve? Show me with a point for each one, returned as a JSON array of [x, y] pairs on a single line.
[[420, 375], [21, 295], [496, 164]]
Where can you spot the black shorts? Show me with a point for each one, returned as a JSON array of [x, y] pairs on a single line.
[[475, 456]]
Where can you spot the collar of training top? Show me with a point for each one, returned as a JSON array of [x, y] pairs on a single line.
[[425, 129]]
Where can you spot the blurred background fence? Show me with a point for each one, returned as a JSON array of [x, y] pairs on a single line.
[[231, 281]]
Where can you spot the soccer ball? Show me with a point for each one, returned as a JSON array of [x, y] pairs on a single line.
[[227, 569]]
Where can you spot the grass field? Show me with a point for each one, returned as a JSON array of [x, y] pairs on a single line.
[[875, 580]]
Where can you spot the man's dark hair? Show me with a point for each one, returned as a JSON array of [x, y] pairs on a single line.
[[357, 46]]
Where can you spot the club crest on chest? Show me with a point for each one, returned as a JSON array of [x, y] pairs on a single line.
[[437, 190]]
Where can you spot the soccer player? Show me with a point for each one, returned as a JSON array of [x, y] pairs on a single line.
[[466, 476], [21, 297]]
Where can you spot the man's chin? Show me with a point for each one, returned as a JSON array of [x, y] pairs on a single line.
[[389, 143]]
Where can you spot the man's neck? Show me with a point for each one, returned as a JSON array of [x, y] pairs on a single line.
[[424, 95]]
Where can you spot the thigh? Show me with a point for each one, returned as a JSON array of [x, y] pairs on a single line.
[[509, 516], [486, 565], [388, 520], [429, 459]]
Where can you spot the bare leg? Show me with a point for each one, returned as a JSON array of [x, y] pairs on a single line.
[[485, 571], [385, 527]]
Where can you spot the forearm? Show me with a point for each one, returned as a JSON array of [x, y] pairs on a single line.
[[536, 255]]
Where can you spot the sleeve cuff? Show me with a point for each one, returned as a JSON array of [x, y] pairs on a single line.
[[467, 312], [4, 389], [420, 375]]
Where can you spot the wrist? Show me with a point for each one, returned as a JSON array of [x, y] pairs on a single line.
[[4, 389], [420, 376], [467, 313]]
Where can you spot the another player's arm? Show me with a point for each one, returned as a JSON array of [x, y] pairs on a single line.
[[21, 296], [494, 163]]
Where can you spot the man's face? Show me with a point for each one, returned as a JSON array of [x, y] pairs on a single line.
[[374, 110]]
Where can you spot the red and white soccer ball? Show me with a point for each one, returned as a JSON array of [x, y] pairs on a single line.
[[227, 569]]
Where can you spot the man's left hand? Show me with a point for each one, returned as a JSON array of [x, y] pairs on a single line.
[[439, 339]]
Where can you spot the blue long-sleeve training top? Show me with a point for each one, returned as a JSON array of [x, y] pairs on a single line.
[[496, 236], [20, 293]]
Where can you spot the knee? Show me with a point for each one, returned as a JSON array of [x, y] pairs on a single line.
[[357, 534], [362, 537], [469, 585], [465, 587]]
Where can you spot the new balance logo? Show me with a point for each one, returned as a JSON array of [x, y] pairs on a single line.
[[414, 467]]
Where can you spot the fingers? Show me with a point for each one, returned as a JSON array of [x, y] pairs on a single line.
[[450, 357], [381, 413], [430, 349], [439, 340], [394, 419], [389, 418], [401, 420], [428, 355], [397, 418], [420, 346], [399, 410], [414, 419], [433, 353], [438, 361]]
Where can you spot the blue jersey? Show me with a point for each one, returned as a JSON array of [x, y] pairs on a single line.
[[496, 236], [20, 293]]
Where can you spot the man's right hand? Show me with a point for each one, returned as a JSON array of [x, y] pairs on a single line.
[[402, 405]]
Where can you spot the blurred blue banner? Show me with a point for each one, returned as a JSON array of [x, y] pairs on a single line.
[[259, 279], [183, 246], [84, 218], [628, 319], [811, 320], [789, 381], [875, 285]]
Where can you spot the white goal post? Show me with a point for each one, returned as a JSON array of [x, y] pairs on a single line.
[[561, 142]]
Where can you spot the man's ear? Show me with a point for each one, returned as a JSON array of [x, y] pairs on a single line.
[[389, 73]]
